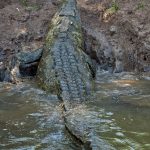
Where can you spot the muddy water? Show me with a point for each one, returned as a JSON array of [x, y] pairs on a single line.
[[124, 104], [31, 119]]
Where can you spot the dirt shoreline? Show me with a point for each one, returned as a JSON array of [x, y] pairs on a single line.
[[125, 26], [23, 26]]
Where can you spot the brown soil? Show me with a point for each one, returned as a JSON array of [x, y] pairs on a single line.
[[127, 29], [24, 24]]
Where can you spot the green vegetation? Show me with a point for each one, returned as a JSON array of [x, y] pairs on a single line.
[[23, 2], [113, 9], [115, 6], [33, 7], [28, 6], [140, 6]]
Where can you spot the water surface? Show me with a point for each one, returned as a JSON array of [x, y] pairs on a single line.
[[31, 119]]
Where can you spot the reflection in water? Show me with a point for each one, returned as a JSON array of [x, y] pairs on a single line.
[[31, 119]]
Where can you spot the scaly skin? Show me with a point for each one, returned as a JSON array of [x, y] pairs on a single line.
[[64, 66], [64, 70], [68, 72]]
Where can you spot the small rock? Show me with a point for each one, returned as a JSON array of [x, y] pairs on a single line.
[[113, 30], [33, 131]]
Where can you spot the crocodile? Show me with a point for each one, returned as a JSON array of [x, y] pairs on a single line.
[[65, 68], [66, 71]]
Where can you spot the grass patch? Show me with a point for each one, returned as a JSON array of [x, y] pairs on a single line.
[[29, 7], [140, 6], [111, 10], [33, 7], [114, 7], [23, 3]]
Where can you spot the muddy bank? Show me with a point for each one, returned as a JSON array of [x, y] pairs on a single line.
[[122, 26], [23, 25], [116, 34], [126, 27]]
